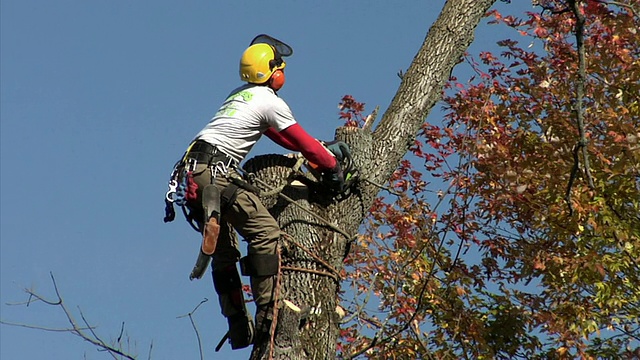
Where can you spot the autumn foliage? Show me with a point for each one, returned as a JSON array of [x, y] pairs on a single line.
[[485, 245], [351, 111]]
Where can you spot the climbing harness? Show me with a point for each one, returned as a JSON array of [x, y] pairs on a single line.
[[181, 187]]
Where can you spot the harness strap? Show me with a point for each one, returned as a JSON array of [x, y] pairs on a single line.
[[245, 185], [259, 264], [228, 196], [191, 219]]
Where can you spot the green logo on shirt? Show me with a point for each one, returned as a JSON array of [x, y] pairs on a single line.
[[244, 94], [229, 107]]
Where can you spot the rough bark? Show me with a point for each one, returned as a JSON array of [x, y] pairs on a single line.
[[313, 252]]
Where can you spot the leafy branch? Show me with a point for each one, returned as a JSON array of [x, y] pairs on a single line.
[[620, 4], [579, 107]]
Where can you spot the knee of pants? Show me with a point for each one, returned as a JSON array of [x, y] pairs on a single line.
[[254, 222], [265, 243]]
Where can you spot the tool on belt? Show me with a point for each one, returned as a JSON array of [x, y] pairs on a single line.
[[183, 190]]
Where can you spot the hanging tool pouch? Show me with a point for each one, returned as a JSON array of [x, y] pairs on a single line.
[[214, 202], [226, 200]]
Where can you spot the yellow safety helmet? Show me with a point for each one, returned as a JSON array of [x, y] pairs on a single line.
[[258, 62], [262, 58]]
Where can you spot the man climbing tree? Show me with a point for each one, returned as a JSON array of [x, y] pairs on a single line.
[[563, 229], [220, 201]]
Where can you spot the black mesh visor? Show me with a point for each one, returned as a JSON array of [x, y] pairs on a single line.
[[281, 48]]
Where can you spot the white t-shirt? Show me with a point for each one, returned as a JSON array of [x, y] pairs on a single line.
[[242, 119]]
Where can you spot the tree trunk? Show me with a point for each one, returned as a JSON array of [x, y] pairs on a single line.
[[312, 251]]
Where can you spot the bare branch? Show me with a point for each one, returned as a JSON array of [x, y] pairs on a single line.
[[193, 324], [387, 189], [37, 327], [96, 339], [360, 307], [150, 350], [75, 329]]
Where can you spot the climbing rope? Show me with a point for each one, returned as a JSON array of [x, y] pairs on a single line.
[[186, 189], [274, 323], [333, 272]]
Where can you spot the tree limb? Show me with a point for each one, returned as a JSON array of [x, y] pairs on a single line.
[[579, 106], [75, 329]]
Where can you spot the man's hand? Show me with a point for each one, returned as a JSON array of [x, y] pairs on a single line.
[[334, 178]]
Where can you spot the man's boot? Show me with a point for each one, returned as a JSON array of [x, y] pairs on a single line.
[[229, 288], [264, 319]]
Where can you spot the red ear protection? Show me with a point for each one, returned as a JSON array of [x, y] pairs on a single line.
[[277, 80]]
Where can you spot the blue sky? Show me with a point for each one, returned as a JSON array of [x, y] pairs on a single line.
[[99, 99]]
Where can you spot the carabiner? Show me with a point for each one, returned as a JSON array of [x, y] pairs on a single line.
[[173, 187]]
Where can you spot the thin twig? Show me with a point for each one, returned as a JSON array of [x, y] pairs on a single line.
[[360, 308], [75, 329], [195, 328], [416, 331], [276, 305], [37, 327], [121, 332], [385, 188], [97, 341]]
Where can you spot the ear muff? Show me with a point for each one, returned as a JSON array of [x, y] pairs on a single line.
[[277, 80]]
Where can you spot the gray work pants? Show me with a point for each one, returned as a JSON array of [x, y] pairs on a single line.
[[248, 216]]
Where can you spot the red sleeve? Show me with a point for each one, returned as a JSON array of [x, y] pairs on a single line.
[[277, 138], [295, 138]]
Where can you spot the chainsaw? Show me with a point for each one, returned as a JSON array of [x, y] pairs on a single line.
[[350, 172]]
